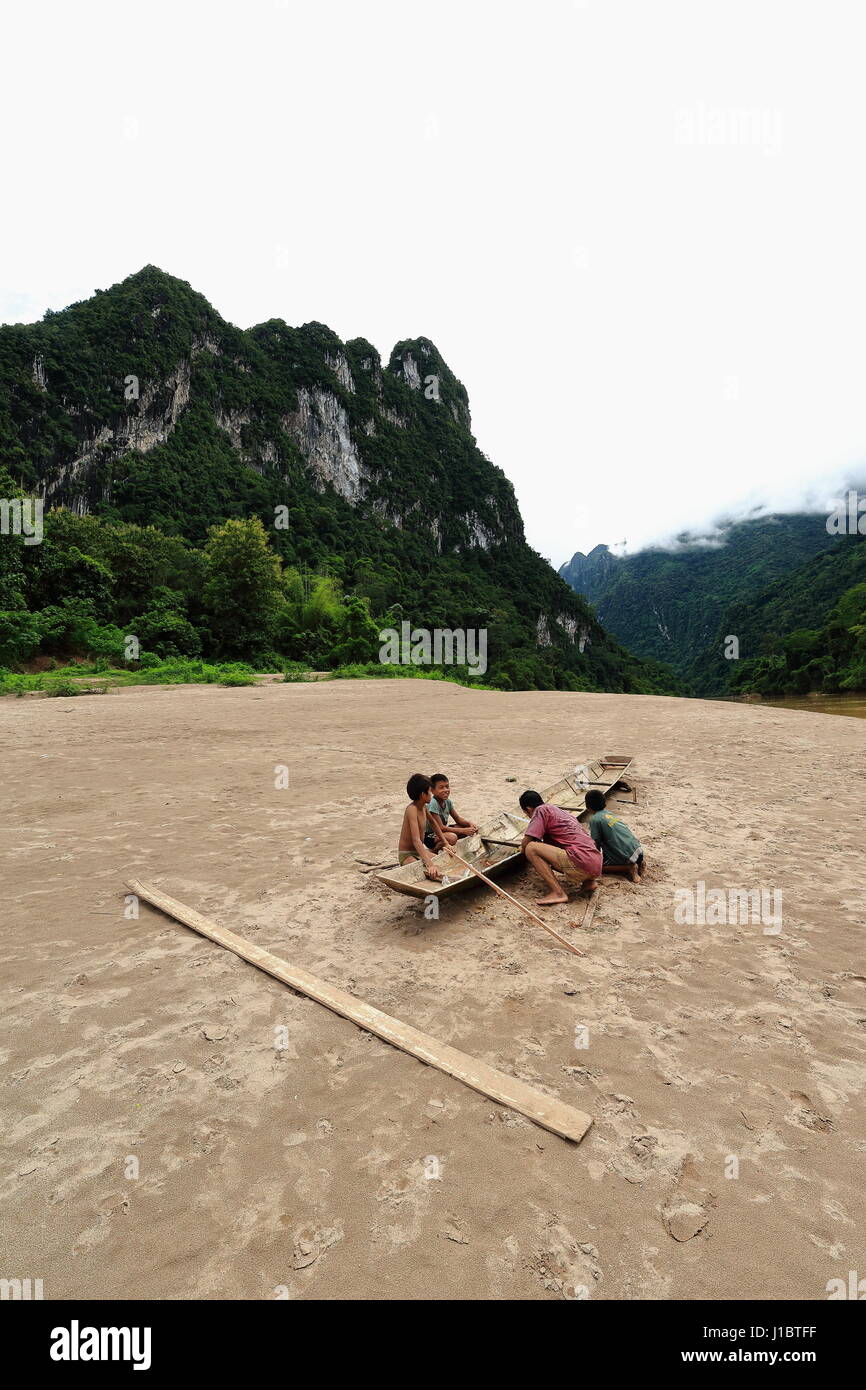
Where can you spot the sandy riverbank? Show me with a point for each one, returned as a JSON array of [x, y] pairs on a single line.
[[307, 1168]]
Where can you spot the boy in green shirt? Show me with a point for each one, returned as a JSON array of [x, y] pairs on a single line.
[[442, 808], [620, 847]]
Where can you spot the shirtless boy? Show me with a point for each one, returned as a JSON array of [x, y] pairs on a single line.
[[418, 834]]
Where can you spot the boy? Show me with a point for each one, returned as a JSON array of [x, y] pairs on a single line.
[[418, 835], [441, 809], [566, 847], [620, 846]]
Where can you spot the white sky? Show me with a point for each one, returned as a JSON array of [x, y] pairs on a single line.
[[636, 231]]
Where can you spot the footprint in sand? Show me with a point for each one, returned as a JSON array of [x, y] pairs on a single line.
[[311, 1243], [686, 1211], [565, 1266], [684, 1220], [454, 1231], [394, 1191], [806, 1116]]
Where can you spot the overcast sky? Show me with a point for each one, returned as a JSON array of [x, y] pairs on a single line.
[[635, 229]]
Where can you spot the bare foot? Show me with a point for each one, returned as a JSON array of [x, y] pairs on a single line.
[[633, 873], [552, 900], [590, 886]]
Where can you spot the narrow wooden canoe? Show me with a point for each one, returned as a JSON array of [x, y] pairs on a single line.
[[485, 849]]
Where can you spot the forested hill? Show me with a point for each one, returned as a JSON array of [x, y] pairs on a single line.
[[780, 585], [807, 631], [146, 422]]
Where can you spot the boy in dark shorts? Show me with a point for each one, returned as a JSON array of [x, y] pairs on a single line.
[[418, 834], [620, 846]]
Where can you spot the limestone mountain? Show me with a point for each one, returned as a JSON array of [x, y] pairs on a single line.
[[142, 408]]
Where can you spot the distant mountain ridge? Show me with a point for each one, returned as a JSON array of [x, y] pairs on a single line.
[[806, 632], [679, 604], [588, 574]]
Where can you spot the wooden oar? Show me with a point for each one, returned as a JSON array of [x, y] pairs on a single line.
[[508, 898]]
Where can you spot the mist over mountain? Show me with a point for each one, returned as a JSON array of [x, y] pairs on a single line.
[[712, 528]]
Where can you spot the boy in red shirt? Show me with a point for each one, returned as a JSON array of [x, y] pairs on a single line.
[[554, 840]]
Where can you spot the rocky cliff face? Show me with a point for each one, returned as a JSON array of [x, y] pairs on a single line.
[[101, 387], [321, 429]]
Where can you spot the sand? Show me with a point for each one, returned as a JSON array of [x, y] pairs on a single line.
[[178, 1125]]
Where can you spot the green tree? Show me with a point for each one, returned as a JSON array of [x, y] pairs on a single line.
[[359, 636], [851, 608], [243, 591], [11, 552], [19, 636], [164, 628]]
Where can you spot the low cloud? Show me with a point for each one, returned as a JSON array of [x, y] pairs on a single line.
[[711, 531]]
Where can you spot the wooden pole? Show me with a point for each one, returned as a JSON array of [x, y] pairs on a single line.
[[502, 893], [590, 908], [543, 1110]]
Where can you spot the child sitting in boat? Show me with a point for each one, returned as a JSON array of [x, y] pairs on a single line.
[[441, 810], [620, 846], [418, 835]]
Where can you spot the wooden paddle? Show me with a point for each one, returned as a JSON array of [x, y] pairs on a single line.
[[508, 898]]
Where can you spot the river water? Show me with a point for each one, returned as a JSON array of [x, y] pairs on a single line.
[[854, 704]]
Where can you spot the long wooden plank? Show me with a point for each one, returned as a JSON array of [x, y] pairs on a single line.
[[544, 1110]]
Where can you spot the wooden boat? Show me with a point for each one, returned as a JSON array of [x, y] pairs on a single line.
[[496, 847], [605, 773]]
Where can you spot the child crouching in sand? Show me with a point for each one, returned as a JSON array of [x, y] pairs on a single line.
[[620, 847], [418, 834], [554, 840]]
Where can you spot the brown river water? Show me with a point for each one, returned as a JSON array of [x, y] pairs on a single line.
[[853, 705]]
